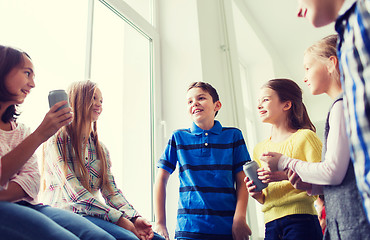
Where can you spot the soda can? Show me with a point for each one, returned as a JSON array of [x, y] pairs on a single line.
[[57, 96], [250, 170]]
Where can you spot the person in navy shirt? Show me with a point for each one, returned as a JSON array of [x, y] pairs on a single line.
[[213, 198]]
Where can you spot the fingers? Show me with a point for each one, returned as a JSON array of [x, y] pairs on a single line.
[[293, 177], [164, 234], [58, 105], [147, 224], [62, 117], [250, 186], [290, 172]]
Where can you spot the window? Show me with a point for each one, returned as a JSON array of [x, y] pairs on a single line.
[[109, 43], [121, 65], [56, 46]]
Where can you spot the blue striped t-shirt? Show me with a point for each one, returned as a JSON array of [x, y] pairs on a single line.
[[353, 27], [208, 162]]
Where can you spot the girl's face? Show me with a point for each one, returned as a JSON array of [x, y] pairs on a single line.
[[317, 75], [201, 107], [20, 80], [97, 106], [270, 108]]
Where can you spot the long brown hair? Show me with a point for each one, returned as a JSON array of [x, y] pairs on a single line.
[[81, 95], [288, 90], [9, 58]]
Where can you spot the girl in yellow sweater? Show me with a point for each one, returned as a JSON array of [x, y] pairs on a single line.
[[289, 213]]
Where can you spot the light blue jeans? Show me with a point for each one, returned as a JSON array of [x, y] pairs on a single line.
[[24, 221], [116, 231]]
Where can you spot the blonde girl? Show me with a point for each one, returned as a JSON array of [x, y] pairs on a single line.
[[289, 213], [77, 168], [334, 176]]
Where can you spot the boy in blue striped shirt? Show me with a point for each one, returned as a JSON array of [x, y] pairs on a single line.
[[352, 22], [210, 159]]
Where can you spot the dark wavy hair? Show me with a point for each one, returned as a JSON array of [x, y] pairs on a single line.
[[207, 88], [9, 59], [288, 90]]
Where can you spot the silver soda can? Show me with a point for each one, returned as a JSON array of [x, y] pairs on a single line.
[[57, 96], [250, 170]]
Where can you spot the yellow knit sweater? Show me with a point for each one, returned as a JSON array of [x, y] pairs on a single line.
[[281, 198]]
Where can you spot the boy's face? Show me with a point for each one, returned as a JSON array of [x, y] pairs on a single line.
[[319, 12], [201, 107]]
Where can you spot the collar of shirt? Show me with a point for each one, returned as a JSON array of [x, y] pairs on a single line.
[[341, 22], [216, 129], [347, 4]]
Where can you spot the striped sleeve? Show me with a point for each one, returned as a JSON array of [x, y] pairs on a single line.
[[241, 154], [169, 157]]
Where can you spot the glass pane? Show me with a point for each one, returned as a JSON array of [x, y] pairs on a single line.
[[56, 44], [121, 67]]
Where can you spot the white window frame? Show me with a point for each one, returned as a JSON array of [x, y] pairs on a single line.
[[140, 24]]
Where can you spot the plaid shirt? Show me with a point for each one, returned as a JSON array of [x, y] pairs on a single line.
[[65, 190], [353, 28]]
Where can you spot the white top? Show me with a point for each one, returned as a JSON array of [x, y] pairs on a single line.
[[332, 169], [28, 177]]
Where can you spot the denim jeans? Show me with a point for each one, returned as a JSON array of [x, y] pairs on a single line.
[[24, 221], [116, 231], [293, 227]]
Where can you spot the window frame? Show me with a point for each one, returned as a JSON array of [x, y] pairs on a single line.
[[140, 24]]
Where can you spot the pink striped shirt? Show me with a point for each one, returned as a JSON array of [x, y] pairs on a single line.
[[28, 177]]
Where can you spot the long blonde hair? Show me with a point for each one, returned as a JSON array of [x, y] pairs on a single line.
[[81, 95]]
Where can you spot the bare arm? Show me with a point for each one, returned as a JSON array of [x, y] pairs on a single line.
[[12, 193], [240, 229], [15, 159], [160, 202]]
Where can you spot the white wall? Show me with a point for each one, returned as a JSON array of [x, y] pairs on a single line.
[[181, 64], [196, 45], [191, 50]]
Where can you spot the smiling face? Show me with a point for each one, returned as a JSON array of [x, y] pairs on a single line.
[[270, 108], [97, 106], [201, 107], [20, 80], [317, 76], [319, 12]]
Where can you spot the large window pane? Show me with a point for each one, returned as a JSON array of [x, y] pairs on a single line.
[[121, 67], [55, 42]]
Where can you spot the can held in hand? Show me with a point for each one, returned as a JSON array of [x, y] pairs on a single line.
[[57, 96], [250, 170]]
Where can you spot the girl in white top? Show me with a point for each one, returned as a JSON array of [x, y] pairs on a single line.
[[345, 215]]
